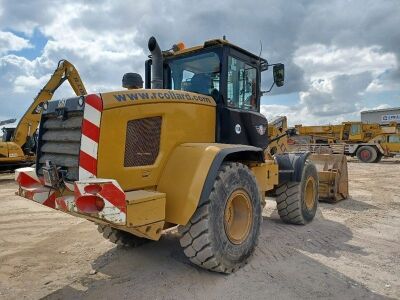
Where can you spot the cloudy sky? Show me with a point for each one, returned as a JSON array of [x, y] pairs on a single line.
[[341, 56]]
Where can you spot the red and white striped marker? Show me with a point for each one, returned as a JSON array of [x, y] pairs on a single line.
[[90, 137], [32, 188], [109, 191]]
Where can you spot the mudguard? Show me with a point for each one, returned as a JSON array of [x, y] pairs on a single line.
[[291, 166], [190, 173]]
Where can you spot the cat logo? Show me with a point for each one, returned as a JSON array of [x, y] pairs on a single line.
[[61, 103], [261, 129], [238, 129]]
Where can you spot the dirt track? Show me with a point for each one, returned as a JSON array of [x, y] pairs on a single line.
[[351, 251]]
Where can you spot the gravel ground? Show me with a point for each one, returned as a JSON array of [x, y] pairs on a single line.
[[350, 251]]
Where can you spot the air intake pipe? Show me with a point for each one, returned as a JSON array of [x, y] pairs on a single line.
[[157, 67]]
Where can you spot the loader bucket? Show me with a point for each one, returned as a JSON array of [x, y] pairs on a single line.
[[333, 178]]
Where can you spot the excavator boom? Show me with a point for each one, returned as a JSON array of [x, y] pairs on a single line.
[[31, 118], [18, 145]]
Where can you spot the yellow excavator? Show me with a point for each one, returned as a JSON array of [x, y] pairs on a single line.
[[329, 160], [18, 145]]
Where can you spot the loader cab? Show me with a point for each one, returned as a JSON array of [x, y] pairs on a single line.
[[232, 76]]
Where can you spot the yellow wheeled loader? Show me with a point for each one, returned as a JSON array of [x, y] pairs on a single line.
[[186, 151], [329, 159]]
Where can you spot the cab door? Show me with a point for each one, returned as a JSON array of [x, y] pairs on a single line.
[[239, 119]]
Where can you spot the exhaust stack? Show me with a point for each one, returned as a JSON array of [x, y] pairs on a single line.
[[157, 64]]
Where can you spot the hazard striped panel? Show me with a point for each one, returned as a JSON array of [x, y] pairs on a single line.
[[108, 190], [32, 188], [90, 137]]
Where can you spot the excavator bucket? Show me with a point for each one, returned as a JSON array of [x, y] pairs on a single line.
[[333, 177]]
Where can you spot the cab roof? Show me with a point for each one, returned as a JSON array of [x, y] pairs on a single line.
[[214, 43]]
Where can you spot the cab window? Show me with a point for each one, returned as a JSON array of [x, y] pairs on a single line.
[[242, 83], [197, 73], [394, 139], [355, 129]]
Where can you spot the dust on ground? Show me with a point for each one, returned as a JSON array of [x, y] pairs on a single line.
[[350, 251]]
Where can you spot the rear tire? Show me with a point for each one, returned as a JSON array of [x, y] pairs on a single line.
[[367, 154], [378, 158], [297, 202], [120, 237], [223, 232]]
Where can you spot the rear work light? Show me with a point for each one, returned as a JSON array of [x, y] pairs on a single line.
[[90, 204], [93, 189]]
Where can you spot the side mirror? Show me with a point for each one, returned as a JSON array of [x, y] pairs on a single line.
[[279, 74]]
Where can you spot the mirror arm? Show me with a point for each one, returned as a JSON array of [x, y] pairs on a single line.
[[264, 92]]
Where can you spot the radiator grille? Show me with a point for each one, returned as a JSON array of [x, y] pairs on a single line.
[[142, 141], [60, 143]]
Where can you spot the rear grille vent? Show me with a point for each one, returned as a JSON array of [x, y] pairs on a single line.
[[142, 141], [60, 143]]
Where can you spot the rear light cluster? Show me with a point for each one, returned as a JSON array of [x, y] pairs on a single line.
[[93, 189], [91, 203]]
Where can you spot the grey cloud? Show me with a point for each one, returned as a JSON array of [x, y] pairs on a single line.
[[344, 98], [24, 16], [282, 26]]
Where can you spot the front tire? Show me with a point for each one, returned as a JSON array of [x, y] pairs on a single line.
[[223, 232], [297, 202]]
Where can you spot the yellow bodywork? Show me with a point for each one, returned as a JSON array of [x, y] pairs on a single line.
[[390, 143], [186, 152], [146, 213], [10, 152], [182, 122]]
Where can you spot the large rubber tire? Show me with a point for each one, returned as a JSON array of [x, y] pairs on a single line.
[[205, 239], [378, 157], [120, 237], [295, 204], [367, 154]]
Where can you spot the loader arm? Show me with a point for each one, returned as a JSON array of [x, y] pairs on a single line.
[[31, 118]]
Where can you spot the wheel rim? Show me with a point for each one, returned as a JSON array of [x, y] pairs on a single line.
[[309, 193], [238, 216], [365, 154]]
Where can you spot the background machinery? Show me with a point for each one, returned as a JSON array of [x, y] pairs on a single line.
[[186, 151], [9, 121], [18, 145], [330, 161], [369, 142]]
